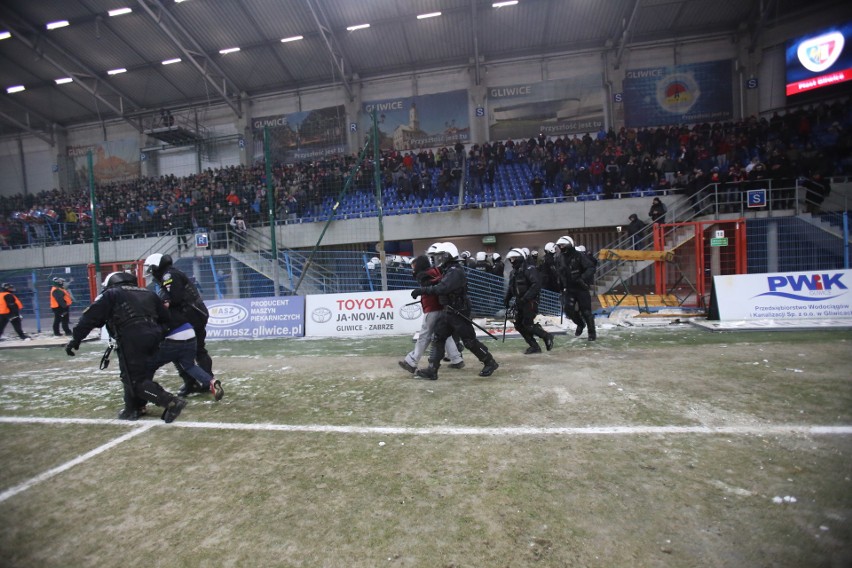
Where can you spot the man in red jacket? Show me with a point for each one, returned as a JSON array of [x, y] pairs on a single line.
[[426, 275]]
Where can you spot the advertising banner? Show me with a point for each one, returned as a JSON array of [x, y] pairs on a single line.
[[659, 96], [553, 108], [302, 136], [425, 121], [784, 295], [256, 318], [819, 60], [363, 313], [116, 160]]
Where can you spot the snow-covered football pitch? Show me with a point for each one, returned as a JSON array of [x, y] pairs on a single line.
[[665, 446]]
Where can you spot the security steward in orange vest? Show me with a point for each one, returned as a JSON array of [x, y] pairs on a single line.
[[10, 310], [60, 303]]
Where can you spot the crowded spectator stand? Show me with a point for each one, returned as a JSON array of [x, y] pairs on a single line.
[[809, 142]]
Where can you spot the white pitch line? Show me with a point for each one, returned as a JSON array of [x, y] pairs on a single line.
[[765, 429], [78, 460]]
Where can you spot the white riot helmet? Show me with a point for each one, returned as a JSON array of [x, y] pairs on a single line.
[[447, 253], [580, 248], [565, 242], [432, 251], [550, 247], [495, 256], [465, 254], [534, 253], [526, 252], [480, 257], [516, 256], [157, 263]]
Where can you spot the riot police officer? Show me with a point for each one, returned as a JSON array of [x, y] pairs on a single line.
[[482, 262], [524, 287], [453, 295], [547, 269], [497, 266], [60, 304], [576, 273], [135, 319], [184, 301]]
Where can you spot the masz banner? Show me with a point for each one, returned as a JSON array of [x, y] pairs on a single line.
[[425, 121], [363, 313], [659, 96], [256, 318], [302, 136], [785, 295], [549, 107]]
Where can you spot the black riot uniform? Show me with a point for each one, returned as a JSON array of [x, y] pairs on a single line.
[[577, 272], [135, 319], [453, 295], [524, 287], [497, 266], [548, 273], [185, 303]]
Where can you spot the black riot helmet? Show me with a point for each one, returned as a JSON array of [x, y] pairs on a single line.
[[118, 278]]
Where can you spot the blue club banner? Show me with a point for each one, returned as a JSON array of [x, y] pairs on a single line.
[[659, 96]]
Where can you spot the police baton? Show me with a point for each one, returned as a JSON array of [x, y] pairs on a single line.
[[471, 322], [505, 321], [105, 359]]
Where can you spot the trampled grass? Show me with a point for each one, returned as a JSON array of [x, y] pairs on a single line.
[[652, 447]]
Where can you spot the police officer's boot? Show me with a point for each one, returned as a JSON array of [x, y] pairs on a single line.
[[430, 373], [533, 344], [190, 386], [128, 414], [533, 348], [590, 323], [490, 366], [173, 409], [547, 337]]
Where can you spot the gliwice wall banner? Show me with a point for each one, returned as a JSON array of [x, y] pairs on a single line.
[[302, 136], [553, 108], [659, 96], [425, 121]]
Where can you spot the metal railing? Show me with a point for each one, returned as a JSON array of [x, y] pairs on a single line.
[[722, 201]]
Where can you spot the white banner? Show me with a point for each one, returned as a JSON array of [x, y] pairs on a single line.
[[364, 313], [785, 295]]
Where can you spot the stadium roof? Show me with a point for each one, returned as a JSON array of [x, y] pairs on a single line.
[[94, 46]]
